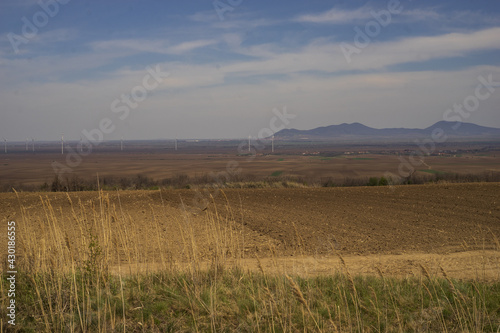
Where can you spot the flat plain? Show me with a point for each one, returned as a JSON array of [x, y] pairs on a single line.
[[363, 222], [286, 250], [311, 163]]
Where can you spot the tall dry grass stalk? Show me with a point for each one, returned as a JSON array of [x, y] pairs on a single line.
[[97, 236], [300, 297], [91, 267]]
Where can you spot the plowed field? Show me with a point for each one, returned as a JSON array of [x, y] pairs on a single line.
[[395, 229]]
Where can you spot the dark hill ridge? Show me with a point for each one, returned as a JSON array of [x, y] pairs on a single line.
[[357, 130]]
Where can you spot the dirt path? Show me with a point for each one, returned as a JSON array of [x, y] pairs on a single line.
[[476, 265]]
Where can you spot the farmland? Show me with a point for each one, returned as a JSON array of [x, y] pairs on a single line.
[[361, 221], [441, 237], [309, 163], [289, 255]]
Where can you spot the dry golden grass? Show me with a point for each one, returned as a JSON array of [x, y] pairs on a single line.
[[66, 282]]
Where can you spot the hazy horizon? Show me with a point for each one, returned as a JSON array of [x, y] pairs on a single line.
[[218, 69], [69, 139]]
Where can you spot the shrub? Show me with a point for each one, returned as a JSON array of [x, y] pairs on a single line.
[[373, 181], [383, 181]]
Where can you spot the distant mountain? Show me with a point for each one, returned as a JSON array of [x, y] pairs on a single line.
[[359, 131], [464, 129]]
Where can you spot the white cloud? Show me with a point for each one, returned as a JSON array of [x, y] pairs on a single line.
[[233, 39], [353, 16], [151, 45], [327, 56], [421, 15], [244, 24], [229, 96], [336, 16], [419, 49], [189, 46], [320, 55], [197, 99]]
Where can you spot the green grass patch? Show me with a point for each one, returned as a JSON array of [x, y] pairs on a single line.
[[276, 173], [281, 159], [321, 158], [362, 158], [235, 300]]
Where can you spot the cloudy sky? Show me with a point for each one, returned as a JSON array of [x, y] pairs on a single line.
[[204, 69]]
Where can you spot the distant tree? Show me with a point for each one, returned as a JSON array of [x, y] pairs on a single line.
[[44, 187], [383, 181], [56, 185]]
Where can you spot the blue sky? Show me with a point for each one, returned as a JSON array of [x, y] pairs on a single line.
[[229, 68]]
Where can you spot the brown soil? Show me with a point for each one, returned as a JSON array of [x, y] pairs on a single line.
[[17, 169], [394, 229], [377, 220]]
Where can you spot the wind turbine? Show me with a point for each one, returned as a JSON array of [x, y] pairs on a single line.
[[27, 144], [5, 144], [249, 138], [81, 144], [272, 144], [121, 143], [176, 144], [62, 143]]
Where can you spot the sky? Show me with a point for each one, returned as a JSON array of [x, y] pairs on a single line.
[[224, 69]]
